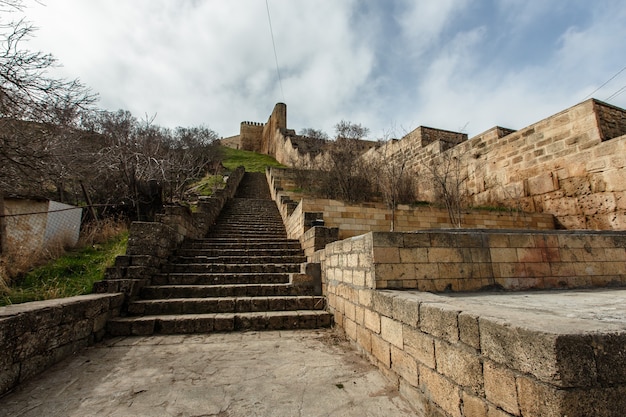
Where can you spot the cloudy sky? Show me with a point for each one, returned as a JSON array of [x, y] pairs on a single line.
[[390, 65]]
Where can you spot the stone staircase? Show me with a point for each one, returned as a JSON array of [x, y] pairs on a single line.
[[245, 275]]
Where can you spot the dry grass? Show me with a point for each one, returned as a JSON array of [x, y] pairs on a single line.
[[16, 262]]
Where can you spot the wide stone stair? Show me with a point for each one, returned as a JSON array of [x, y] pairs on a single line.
[[245, 275]]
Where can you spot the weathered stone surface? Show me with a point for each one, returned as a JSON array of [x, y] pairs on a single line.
[[500, 387], [439, 320], [460, 365]]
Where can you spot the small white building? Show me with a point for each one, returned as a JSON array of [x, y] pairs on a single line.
[[32, 225]]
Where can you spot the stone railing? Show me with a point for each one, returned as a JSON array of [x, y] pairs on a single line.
[[453, 358], [151, 243], [36, 335]]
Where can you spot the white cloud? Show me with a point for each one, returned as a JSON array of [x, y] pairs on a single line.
[[400, 62]]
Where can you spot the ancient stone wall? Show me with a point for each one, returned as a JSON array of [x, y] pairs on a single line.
[[451, 359], [250, 134], [299, 212], [569, 165], [36, 335]]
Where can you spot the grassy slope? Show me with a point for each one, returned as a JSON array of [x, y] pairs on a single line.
[[252, 161], [75, 272], [72, 274]]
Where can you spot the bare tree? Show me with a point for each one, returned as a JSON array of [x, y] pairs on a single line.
[[394, 180], [314, 133], [349, 130], [34, 107], [449, 183], [347, 175]]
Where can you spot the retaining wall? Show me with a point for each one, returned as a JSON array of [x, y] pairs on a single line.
[[451, 359], [36, 335], [151, 243]]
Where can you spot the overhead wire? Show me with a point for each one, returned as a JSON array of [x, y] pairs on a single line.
[[269, 19], [615, 94], [608, 81]]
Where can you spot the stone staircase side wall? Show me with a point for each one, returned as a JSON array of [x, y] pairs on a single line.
[[454, 363], [300, 213], [475, 260], [151, 243], [34, 336]]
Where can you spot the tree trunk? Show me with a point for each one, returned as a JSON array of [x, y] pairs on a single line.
[[3, 240]]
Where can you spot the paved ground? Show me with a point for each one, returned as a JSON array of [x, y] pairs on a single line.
[[295, 373], [571, 311]]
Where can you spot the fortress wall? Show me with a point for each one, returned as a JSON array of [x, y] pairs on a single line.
[[232, 142], [569, 164], [453, 358], [356, 219], [249, 136]]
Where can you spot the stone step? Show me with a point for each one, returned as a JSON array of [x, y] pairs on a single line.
[[239, 252], [220, 279], [225, 305], [198, 268], [243, 236], [239, 260], [218, 322], [241, 228], [260, 242], [242, 244], [154, 292]]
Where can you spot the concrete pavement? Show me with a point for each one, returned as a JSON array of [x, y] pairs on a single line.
[[291, 373]]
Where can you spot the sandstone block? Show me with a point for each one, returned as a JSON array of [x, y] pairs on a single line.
[[473, 406], [439, 320], [382, 302], [500, 387], [372, 320], [468, 330], [391, 331], [460, 365], [413, 255], [350, 328], [386, 255], [364, 338], [441, 391], [419, 345], [381, 350], [404, 365], [406, 309], [537, 399]]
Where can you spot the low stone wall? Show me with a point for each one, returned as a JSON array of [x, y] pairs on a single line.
[[300, 212], [453, 359], [472, 260], [151, 243], [36, 335]]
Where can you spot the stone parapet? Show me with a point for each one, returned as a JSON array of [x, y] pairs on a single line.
[[36, 335], [471, 260], [471, 354]]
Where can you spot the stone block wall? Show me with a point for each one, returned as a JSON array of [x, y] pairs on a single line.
[[569, 165], [151, 243], [298, 213], [36, 335], [453, 360], [466, 260]]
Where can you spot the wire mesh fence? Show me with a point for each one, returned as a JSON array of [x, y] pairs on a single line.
[[29, 226]]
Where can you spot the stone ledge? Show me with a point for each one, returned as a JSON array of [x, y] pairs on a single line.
[[36, 335]]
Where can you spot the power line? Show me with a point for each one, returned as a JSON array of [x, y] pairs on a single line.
[[269, 19], [615, 94], [608, 81]]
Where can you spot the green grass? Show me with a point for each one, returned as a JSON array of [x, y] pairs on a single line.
[[72, 274], [251, 161], [207, 185]]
